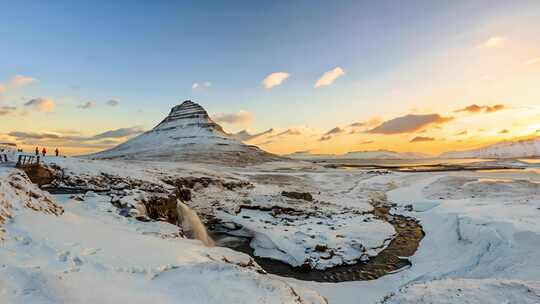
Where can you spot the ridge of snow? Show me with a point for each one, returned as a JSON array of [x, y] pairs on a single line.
[[505, 149]]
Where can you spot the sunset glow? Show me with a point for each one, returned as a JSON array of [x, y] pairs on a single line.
[[477, 77]]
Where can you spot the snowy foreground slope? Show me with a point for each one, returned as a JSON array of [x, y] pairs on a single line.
[[90, 254], [507, 149], [481, 243]]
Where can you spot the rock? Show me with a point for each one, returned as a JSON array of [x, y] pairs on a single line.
[[183, 194], [38, 173], [298, 195], [321, 248], [161, 207]]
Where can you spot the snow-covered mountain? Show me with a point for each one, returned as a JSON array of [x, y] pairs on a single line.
[[506, 149], [383, 154], [187, 133], [376, 154]]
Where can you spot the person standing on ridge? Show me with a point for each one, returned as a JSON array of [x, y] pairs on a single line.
[[37, 151], [44, 151], [56, 151]]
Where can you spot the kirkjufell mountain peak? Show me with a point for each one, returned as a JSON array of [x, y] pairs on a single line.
[[187, 134]]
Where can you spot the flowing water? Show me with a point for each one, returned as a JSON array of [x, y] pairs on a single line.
[[192, 224]]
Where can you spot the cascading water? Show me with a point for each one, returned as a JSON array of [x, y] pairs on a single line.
[[192, 224]]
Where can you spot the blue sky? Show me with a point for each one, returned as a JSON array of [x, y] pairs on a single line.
[[148, 54]]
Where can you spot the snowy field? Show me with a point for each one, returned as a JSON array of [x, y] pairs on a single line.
[[482, 234]]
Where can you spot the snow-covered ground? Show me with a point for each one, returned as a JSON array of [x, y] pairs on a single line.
[[90, 254], [481, 243]]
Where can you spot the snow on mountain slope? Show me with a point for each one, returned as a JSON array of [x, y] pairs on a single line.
[[507, 149], [187, 133], [91, 254]]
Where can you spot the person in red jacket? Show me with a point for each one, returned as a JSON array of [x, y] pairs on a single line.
[[44, 151]]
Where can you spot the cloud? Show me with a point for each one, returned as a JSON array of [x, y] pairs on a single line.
[[336, 130], [422, 139], [118, 133], [532, 61], [241, 117], [504, 131], [15, 82], [289, 132], [464, 132], [357, 124], [325, 138], [494, 42], [409, 123], [365, 142], [6, 110], [103, 140], [359, 127], [495, 108], [41, 104], [19, 81], [201, 85], [274, 79], [113, 102], [474, 108], [34, 135], [329, 77], [87, 105]]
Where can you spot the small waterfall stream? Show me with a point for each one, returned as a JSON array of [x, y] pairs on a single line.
[[192, 224]]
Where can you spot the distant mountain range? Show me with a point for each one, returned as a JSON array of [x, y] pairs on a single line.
[[376, 154], [507, 149], [187, 133]]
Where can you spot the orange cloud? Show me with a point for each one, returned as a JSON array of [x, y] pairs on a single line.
[[41, 104], [241, 118], [474, 108], [422, 139], [329, 77], [274, 79], [409, 123], [494, 108]]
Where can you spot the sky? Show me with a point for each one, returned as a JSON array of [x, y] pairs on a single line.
[[326, 76]]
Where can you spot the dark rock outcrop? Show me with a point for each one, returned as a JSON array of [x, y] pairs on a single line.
[[306, 196]]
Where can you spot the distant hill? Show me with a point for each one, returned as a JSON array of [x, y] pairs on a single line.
[[506, 149], [383, 154], [375, 154]]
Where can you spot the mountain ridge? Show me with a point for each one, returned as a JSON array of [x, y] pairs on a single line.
[[505, 149], [187, 133]]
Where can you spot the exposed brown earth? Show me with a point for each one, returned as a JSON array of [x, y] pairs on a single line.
[[38, 173]]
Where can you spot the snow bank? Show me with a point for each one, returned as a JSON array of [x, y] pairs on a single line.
[[91, 254], [469, 291]]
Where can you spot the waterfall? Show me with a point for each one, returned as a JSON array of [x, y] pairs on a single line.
[[192, 224]]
